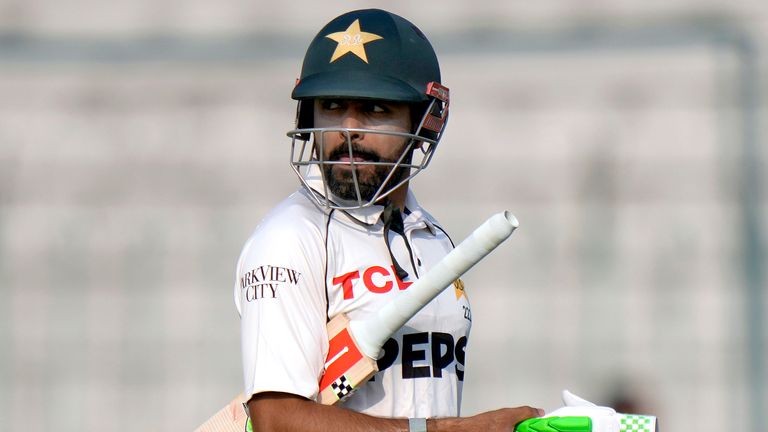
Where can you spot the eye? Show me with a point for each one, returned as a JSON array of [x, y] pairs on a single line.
[[330, 105], [374, 107]]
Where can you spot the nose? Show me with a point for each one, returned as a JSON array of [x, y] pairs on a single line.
[[353, 119]]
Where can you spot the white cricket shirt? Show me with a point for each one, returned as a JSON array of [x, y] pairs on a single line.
[[303, 265]]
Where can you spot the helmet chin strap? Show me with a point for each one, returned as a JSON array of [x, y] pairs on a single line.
[[393, 221]]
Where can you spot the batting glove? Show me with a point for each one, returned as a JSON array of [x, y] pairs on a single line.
[[580, 415]]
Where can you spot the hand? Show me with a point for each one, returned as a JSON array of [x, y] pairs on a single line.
[[604, 419], [579, 415], [504, 419]]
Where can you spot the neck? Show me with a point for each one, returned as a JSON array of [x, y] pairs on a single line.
[[397, 197]]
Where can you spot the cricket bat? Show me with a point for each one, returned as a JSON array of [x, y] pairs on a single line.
[[354, 345]]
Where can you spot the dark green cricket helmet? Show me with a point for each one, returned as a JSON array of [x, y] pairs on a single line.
[[372, 54]]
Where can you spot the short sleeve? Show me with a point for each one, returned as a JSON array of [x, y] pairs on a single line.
[[280, 295]]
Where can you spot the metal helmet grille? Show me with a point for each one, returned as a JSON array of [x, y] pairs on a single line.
[[307, 153]]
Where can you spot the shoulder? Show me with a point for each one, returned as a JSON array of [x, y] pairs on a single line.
[[296, 224], [295, 217]]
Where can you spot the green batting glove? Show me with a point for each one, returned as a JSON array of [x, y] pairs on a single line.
[[556, 424], [579, 415]]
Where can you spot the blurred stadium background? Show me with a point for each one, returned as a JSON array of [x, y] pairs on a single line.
[[141, 142]]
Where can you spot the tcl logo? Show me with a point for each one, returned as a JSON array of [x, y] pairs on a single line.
[[377, 279]]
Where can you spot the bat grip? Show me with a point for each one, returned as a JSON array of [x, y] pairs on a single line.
[[372, 333]]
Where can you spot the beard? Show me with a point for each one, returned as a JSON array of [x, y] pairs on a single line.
[[370, 178]]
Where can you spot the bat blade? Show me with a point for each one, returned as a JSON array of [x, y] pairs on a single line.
[[232, 418], [346, 367]]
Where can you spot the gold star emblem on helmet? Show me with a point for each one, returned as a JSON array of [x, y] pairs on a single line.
[[352, 40]]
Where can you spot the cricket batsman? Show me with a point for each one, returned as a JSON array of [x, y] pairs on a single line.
[[371, 111]]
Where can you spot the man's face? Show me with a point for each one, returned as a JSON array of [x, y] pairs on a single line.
[[366, 147]]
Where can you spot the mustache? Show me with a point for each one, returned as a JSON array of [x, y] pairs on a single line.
[[357, 151]]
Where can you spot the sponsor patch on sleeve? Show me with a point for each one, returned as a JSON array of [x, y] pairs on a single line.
[[265, 282]]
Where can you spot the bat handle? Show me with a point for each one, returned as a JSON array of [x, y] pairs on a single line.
[[372, 333]]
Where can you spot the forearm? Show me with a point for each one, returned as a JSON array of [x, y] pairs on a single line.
[[280, 412]]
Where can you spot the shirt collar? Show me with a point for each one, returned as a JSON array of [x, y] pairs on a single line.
[[417, 213]]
